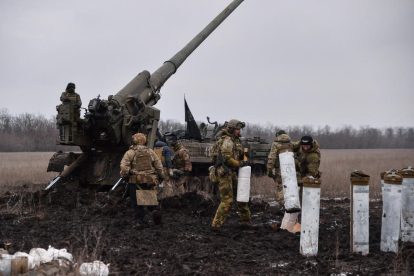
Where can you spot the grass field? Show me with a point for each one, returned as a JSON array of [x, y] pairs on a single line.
[[30, 168]]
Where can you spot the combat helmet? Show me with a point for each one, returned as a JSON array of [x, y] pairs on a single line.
[[139, 139], [70, 86], [280, 132], [235, 124]]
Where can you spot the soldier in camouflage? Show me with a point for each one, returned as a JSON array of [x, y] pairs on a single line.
[[308, 156], [143, 169], [71, 97], [181, 162], [282, 139], [231, 150], [308, 160]]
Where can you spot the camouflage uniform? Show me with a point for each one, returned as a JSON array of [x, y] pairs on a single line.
[[232, 152], [182, 162], [142, 167], [308, 161], [72, 98], [273, 163]]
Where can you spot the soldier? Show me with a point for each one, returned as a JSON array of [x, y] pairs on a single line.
[[282, 139], [142, 167], [71, 97], [164, 153], [308, 156], [182, 163], [230, 155]]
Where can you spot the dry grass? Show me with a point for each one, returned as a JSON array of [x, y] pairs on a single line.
[[18, 168], [27, 168], [336, 166]]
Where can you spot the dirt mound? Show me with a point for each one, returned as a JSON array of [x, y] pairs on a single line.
[[97, 225]]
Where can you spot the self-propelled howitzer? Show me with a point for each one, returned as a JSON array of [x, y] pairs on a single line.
[[106, 131]]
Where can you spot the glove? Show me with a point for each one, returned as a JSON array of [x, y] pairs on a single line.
[[270, 173], [243, 164]]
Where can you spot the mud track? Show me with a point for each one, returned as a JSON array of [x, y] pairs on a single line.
[[93, 226]]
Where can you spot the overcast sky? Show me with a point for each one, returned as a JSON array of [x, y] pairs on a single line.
[[283, 62]]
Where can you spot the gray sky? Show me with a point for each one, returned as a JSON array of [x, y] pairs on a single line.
[[284, 62]]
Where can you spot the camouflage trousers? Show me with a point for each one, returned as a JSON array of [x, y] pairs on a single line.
[[279, 187], [228, 189]]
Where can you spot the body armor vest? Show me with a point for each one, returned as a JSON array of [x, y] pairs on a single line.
[[158, 151], [142, 161]]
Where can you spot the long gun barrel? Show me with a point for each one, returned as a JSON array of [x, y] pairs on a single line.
[[110, 122], [149, 95]]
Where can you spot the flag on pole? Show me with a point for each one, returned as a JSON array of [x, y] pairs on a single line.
[[192, 132]]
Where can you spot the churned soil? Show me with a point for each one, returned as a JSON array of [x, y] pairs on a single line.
[[95, 226]]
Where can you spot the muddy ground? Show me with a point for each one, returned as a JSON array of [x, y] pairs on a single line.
[[93, 226]]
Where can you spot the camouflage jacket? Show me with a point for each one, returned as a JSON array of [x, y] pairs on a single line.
[[308, 161], [140, 160], [280, 141], [182, 160], [231, 150], [72, 98]]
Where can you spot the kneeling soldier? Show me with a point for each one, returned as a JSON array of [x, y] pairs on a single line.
[[142, 167]]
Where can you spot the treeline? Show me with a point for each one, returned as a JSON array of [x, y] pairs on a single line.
[[345, 137], [31, 132]]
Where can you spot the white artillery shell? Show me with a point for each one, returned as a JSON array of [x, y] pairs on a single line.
[[243, 185], [391, 215], [407, 210], [309, 235], [290, 184], [360, 219]]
